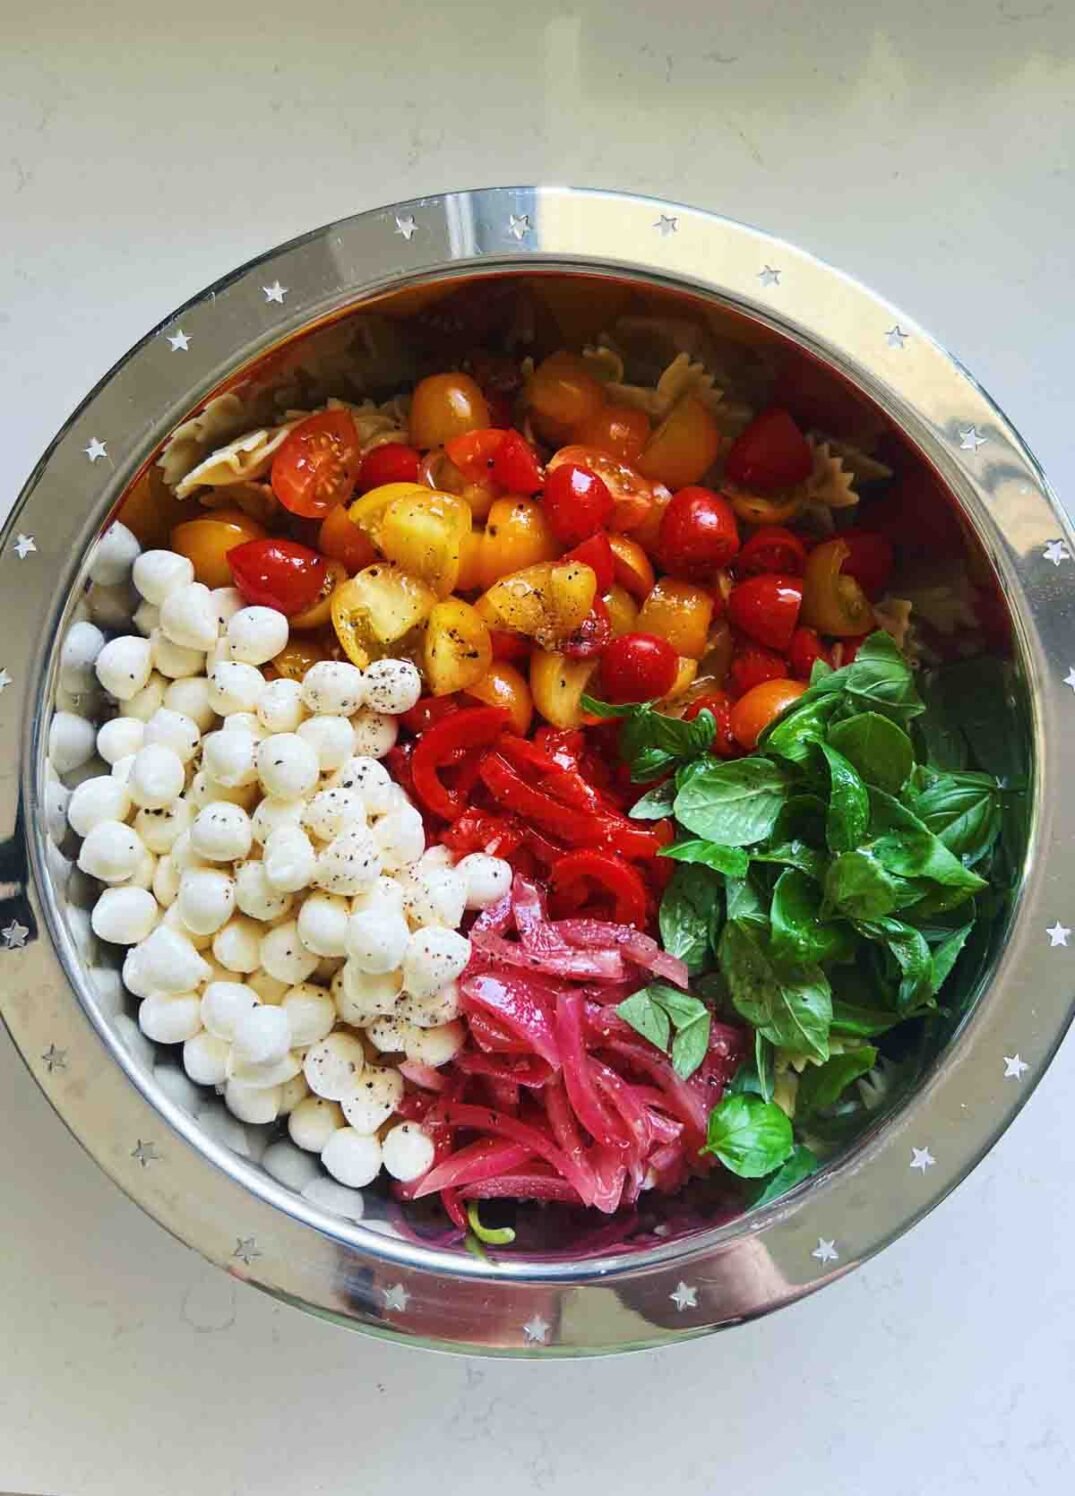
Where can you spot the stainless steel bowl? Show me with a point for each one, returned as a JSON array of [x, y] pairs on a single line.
[[277, 326]]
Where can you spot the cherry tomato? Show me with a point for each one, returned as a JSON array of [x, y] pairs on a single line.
[[443, 406], [562, 395], [276, 573], [341, 540], [804, 650], [684, 446], [772, 548], [597, 554], [316, 467], [638, 667], [502, 457], [720, 704], [869, 560], [206, 541], [635, 497], [766, 608], [631, 567], [834, 603], [297, 656], [474, 453], [392, 462], [619, 430], [592, 634], [753, 712], [577, 503], [319, 612], [751, 665], [771, 453], [698, 531], [504, 686], [508, 646]]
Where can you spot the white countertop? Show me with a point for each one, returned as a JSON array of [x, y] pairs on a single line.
[[924, 147]]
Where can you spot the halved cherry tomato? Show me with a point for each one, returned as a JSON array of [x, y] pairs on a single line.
[[503, 457], [319, 613], [720, 704], [341, 539], [771, 453], [596, 553], [766, 608], [297, 656], [316, 467], [698, 531], [592, 634], [391, 462], [635, 497], [443, 406], [804, 651], [562, 395], [751, 665], [684, 446], [206, 541], [869, 560], [577, 503], [579, 877], [772, 548], [504, 686], [753, 712], [834, 603], [638, 667], [277, 573], [474, 453], [619, 430], [631, 567], [515, 467]]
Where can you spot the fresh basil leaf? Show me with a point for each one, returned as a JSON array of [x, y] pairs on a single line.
[[797, 735], [937, 733], [655, 804], [821, 1085], [793, 854], [681, 1007], [945, 955], [876, 748], [751, 1137], [651, 743], [790, 1005], [691, 1043], [606, 710], [859, 886], [879, 679], [646, 1018], [659, 1010], [685, 913], [764, 1063], [743, 903], [745, 1081], [819, 670], [860, 1022], [963, 810], [802, 819], [981, 695], [799, 1165], [798, 931], [849, 805], [904, 846], [732, 861], [735, 803], [912, 954]]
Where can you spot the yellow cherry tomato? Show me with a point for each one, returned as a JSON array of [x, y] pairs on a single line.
[[457, 651], [423, 533], [368, 512], [632, 568], [679, 612], [375, 613], [622, 610], [341, 539], [684, 446], [757, 510], [206, 543], [297, 656], [833, 603], [443, 406], [620, 431], [470, 561], [686, 671], [558, 684], [517, 535], [504, 686], [319, 611]]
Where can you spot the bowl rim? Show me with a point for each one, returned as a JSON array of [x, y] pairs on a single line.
[[234, 1213]]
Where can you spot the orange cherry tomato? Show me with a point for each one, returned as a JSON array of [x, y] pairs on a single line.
[[631, 567], [679, 612], [761, 705], [443, 406], [562, 395], [832, 602], [516, 535], [619, 430], [317, 465], [684, 447], [635, 497], [504, 686], [470, 561], [206, 542], [341, 540]]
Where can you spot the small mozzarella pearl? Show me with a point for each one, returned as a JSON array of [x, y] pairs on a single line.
[[124, 666], [156, 574], [235, 687], [135, 976], [227, 601], [331, 738], [256, 634], [369, 779], [313, 1122], [165, 882], [487, 878], [333, 687], [176, 731], [377, 941], [188, 617], [191, 697], [435, 897], [400, 838], [176, 661], [114, 555], [294, 1090], [287, 766], [238, 945], [170, 1017], [206, 899], [203, 790], [284, 956], [362, 996], [228, 757], [173, 920], [119, 738], [121, 769], [385, 896], [255, 895], [148, 700], [205, 1058], [434, 956], [375, 733], [392, 686], [169, 961], [269, 1073], [310, 1012], [253, 1104], [245, 722], [142, 877], [333, 1066], [435, 857], [430, 1012], [389, 1034], [380, 1091], [124, 916], [57, 800], [271, 814], [81, 646], [262, 1035], [183, 854], [268, 989], [146, 619], [434, 1046], [322, 923], [352, 1157], [160, 829], [111, 852], [221, 832], [407, 1151], [157, 776], [349, 863], [332, 811], [111, 607], [280, 707], [223, 1004], [95, 800], [289, 858]]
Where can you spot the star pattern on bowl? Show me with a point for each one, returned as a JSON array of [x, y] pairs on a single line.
[[518, 225], [405, 227], [684, 1296], [769, 275], [1058, 934], [396, 1298], [25, 545], [13, 936], [667, 224], [96, 449], [1056, 551], [536, 1331], [246, 1250], [54, 1059], [921, 1159], [970, 439], [178, 340], [1015, 1067], [895, 337], [145, 1154], [825, 1251], [276, 292]]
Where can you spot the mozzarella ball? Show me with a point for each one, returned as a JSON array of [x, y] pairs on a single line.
[[111, 607], [331, 738], [331, 811], [392, 686], [333, 1066], [280, 707], [124, 666], [255, 895], [206, 899], [434, 956], [120, 738], [245, 722], [271, 815], [95, 800], [407, 1151], [146, 619], [289, 858], [354, 1158], [148, 700], [191, 697], [256, 634], [175, 921], [227, 601], [165, 885], [287, 766], [57, 801], [388, 1033], [124, 916], [487, 878], [159, 829], [221, 832], [253, 1104], [142, 877], [121, 769], [385, 896], [170, 1017], [262, 1035], [369, 779], [204, 789], [349, 863], [157, 776], [435, 857], [169, 962], [188, 617], [313, 1122], [114, 555], [134, 972], [294, 1090], [322, 923], [377, 941], [223, 1004], [268, 989], [310, 1012], [375, 733], [110, 852], [380, 1090], [183, 854], [176, 661], [361, 996], [430, 1012], [174, 730], [205, 1058], [228, 757], [434, 1046], [238, 944], [82, 644], [333, 688], [235, 687], [270, 1072], [436, 896], [400, 838], [156, 574], [284, 956]]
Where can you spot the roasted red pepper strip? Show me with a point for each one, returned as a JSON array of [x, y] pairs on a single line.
[[475, 727], [575, 874]]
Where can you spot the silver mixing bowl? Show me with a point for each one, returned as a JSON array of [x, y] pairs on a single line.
[[296, 322]]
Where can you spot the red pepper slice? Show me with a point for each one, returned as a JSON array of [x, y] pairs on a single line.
[[575, 875], [772, 548], [426, 711], [474, 727]]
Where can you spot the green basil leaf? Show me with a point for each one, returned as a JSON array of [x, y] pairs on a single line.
[[651, 742], [790, 1005], [606, 709], [793, 854], [860, 887], [735, 803], [732, 861], [946, 954], [963, 810], [904, 846], [751, 1137], [849, 805], [799, 1165], [859, 1022], [743, 902], [982, 697], [877, 749], [912, 955], [647, 1018], [802, 819], [745, 1081], [764, 1065], [821, 1085], [798, 931], [691, 1043], [681, 1007], [879, 679], [655, 804], [797, 735], [685, 913]]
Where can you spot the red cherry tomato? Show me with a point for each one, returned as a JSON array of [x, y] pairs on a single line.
[[391, 463], [597, 554], [753, 712], [316, 467], [577, 503], [804, 650], [766, 608], [771, 453], [638, 667], [276, 573], [592, 634], [719, 703], [772, 548], [751, 665], [869, 561], [698, 531], [515, 467], [426, 711], [509, 646]]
